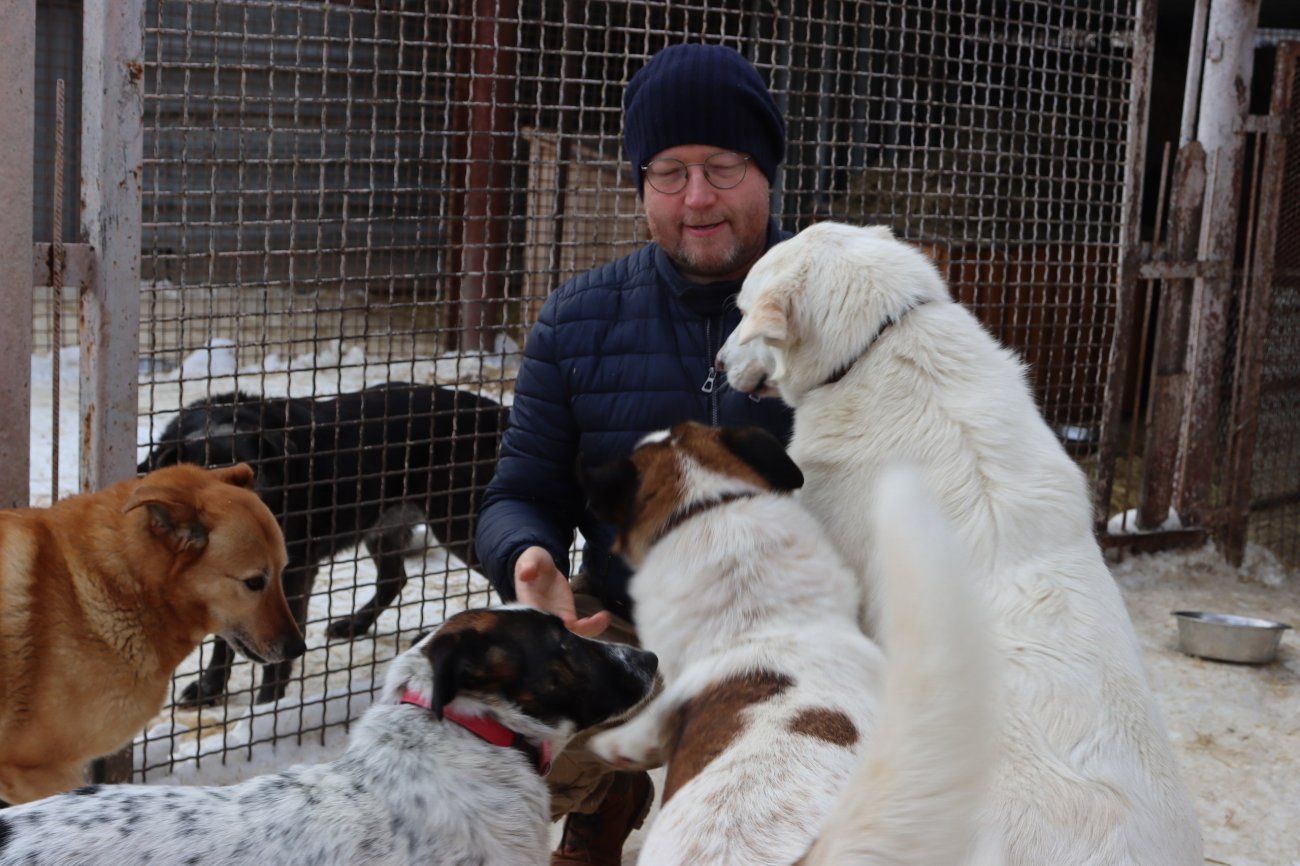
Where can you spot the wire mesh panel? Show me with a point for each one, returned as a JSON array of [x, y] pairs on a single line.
[[1275, 474], [341, 196], [57, 203]]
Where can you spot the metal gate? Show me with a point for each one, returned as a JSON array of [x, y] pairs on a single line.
[[1263, 501], [1224, 458]]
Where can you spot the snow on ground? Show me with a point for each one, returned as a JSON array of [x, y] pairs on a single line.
[[1236, 728]]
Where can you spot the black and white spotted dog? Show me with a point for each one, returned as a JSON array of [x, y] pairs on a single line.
[[446, 768]]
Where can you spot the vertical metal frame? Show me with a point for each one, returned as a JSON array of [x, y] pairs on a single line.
[[111, 154], [1257, 304], [1224, 105], [1126, 289], [17, 106]]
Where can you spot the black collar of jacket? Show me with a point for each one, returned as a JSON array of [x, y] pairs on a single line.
[[844, 368], [707, 299]]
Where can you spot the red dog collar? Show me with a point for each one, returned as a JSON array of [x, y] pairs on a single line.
[[490, 731]]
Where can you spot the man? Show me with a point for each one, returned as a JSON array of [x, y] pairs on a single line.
[[626, 349]]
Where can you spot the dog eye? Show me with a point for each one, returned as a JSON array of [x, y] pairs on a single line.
[[256, 584]]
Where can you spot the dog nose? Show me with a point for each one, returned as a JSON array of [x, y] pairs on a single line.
[[719, 365], [294, 648]]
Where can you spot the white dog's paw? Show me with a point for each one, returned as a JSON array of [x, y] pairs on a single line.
[[630, 746]]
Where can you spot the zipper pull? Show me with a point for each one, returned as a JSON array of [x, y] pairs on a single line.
[[707, 387]]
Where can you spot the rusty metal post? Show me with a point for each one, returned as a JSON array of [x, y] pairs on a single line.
[[18, 107], [491, 131], [1169, 364], [1126, 288], [112, 150], [1192, 81], [111, 153], [1224, 105], [1255, 318]]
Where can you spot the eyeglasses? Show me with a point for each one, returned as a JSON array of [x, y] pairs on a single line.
[[722, 171]]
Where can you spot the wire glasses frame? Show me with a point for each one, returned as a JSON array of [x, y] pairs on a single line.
[[722, 170]]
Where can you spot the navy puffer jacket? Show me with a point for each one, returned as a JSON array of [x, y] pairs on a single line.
[[619, 352]]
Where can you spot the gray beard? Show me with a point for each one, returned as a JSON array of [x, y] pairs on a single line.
[[687, 262]]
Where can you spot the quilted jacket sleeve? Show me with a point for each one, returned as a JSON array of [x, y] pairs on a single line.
[[532, 499]]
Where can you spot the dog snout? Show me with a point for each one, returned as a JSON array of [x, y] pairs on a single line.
[[649, 662], [641, 662], [277, 648], [290, 649], [719, 364]]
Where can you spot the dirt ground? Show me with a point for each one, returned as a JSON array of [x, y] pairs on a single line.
[[1236, 728]]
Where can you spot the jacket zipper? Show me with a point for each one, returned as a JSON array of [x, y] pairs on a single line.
[[710, 382]]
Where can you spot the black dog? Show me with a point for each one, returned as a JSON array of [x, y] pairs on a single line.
[[363, 467]]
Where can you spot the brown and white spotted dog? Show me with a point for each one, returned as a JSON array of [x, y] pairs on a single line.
[[779, 718], [446, 768]]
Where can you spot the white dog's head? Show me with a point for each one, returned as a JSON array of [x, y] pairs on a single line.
[[814, 304]]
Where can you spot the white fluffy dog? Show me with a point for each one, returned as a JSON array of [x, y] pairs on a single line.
[[857, 331], [779, 718]]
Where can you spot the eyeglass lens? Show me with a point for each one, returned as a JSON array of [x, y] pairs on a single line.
[[721, 170]]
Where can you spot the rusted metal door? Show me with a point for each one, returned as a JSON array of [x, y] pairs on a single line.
[[1262, 475]]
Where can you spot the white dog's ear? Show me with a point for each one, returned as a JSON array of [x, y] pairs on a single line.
[[768, 320]]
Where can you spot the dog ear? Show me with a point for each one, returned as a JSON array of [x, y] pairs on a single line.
[[445, 658], [767, 320], [765, 454], [460, 660], [610, 488], [173, 518], [240, 475]]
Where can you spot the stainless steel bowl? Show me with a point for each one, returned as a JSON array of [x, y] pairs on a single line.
[[1227, 637]]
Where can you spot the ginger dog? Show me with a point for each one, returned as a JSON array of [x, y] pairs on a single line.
[[101, 597]]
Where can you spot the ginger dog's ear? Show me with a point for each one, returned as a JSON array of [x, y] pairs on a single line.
[[767, 320], [240, 475], [173, 516]]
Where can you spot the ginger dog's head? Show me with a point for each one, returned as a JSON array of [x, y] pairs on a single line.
[[216, 555]]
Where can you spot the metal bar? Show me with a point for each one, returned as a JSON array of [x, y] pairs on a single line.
[[1153, 541], [77, 261], [1224, 106], [1126, 288], [482, 286], [56, 292], [1276, 501], [458, 123], [111, 153], [1255, 318], [112, 149], [17, 104], [1169, 371], [1183, 269], [1195, 58]]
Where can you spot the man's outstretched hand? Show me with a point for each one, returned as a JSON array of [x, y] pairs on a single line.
[[540, 584]]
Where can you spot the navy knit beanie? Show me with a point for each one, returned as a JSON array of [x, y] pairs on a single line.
[[701, 94]]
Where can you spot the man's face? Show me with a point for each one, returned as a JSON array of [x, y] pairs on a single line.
[[710, 234]]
